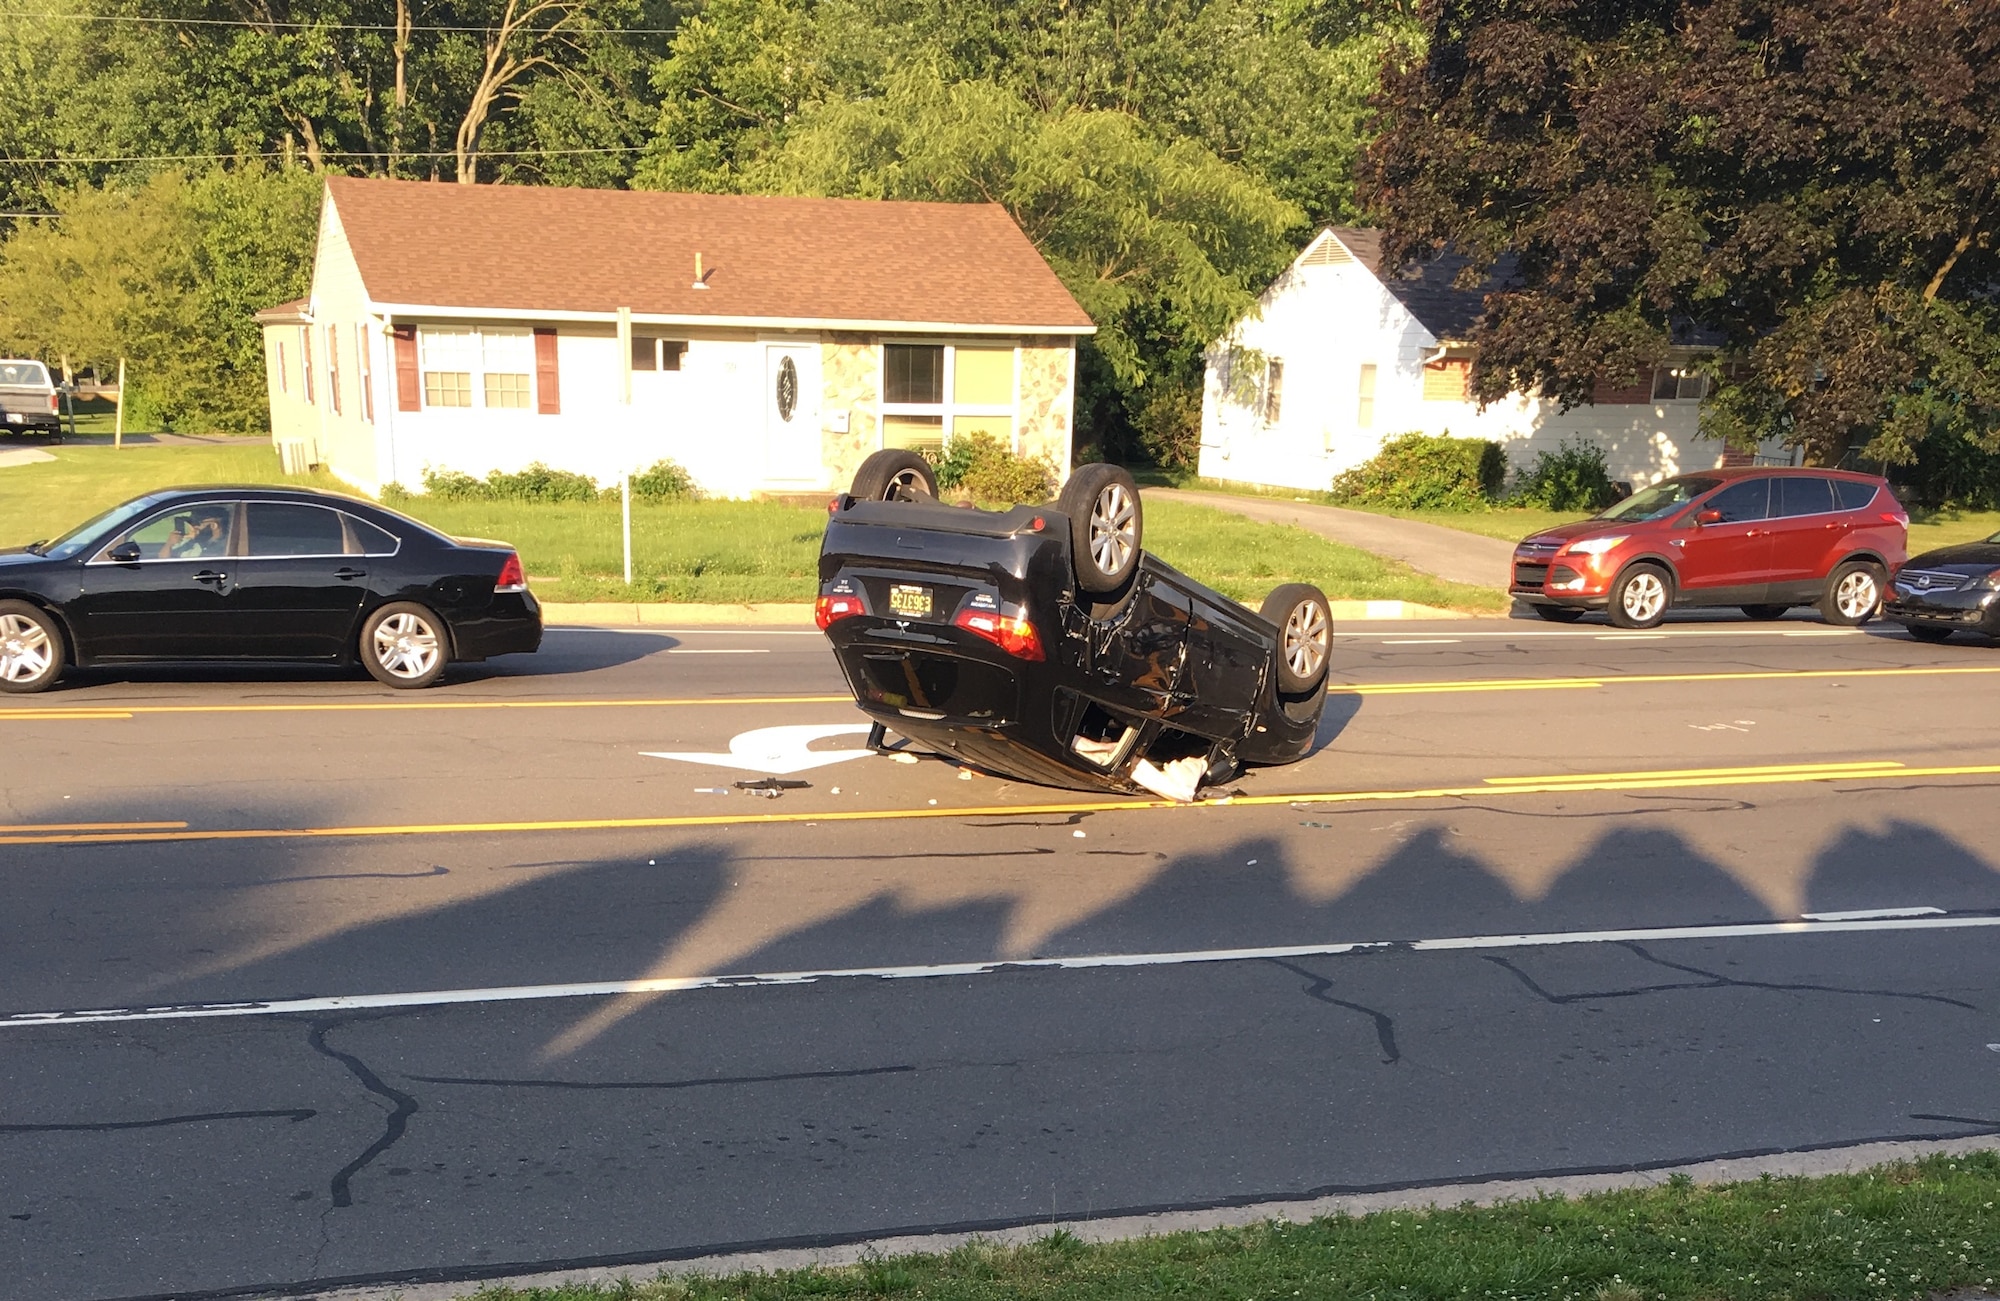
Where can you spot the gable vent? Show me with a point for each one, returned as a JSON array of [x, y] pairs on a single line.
[[1328, 252]]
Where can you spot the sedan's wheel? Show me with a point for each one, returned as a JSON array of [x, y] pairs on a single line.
[[1305, 635], [1106, 525], [403, 645], [1560, 613], [1765, 613], [895, 474], [1929, 632], [1853, 594], [1640, 597], [31, 648]]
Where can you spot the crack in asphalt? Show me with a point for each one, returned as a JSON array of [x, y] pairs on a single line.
[[293, 1114], [1709, 980], [403, 1106], [1385, 1025], [589, 1085]]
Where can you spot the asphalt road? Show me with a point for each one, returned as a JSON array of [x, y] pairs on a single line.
[[360, 985]]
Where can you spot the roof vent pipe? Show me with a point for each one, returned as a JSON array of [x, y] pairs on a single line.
[[700, 276]]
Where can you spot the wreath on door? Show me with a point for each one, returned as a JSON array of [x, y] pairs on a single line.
[[788, 388]]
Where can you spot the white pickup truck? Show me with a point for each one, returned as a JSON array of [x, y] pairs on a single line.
[[29, 398]]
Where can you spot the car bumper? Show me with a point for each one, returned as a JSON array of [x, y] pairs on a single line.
[[1542, 580], [511, 625], [1972, 608]]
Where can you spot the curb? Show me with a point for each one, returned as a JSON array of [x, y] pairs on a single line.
[[1807, 1163], [670, 614]]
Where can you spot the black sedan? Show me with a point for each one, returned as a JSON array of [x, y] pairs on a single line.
[[1042, 642], [1942, 591], [259, 574]]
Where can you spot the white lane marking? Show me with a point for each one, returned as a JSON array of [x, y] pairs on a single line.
[[1631, 636], [719, 650], [1594, 635], [676, 984], [776, 750], [1870, 914], [1421, 641]]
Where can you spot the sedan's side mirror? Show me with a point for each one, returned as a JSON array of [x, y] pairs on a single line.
[[124, 553], [1708, 517]]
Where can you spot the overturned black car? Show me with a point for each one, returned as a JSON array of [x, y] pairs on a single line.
[[1043, 642]]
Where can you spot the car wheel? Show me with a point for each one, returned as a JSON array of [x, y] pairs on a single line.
[[31, 647], [1560, 613], [403, 645], [1929, 632], [1640, 597], [1305, 635], [1853, 594], [1765, 613], [895, 474], [1106, 525]]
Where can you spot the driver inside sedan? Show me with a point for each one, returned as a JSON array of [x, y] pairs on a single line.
[[196, 536]]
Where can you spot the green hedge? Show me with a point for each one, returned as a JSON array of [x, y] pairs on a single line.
[[1427, 472]]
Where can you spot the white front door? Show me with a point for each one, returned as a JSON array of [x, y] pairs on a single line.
[[791, 416]]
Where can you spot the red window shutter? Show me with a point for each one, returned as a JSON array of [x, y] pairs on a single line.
[[409, 388], [548, 383]]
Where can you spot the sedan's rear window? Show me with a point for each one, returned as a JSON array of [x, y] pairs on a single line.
[[283, 528]]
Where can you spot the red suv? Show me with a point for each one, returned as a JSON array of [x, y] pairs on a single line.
[[1761, 539]]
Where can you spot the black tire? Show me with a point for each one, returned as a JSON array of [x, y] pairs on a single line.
[[1305, 636], [1929, 632], [31, 648], [1106, 525], [404, 645], [1765, 613], [1853, 593], [1560, 613], [895, 474], [1641, 597]]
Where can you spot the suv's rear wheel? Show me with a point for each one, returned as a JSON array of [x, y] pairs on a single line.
[[895, 474], [1305, 635], [1106, 525], [31, 647], [1640, 597], [1853, 593]]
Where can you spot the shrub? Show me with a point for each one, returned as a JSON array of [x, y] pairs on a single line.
[[664, 481], [979, 467], [453, 485], [954, 462], [538, 482], [1573, 477], [1426, 472]]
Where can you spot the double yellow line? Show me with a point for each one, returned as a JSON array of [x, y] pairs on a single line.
[[1490, 788]]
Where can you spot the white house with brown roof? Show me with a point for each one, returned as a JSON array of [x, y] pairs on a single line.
[[767, 344], [1340, 356]]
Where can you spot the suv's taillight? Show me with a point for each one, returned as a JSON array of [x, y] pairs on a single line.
[[55, 403], [1014, 635], [512, 577], [839, 605]]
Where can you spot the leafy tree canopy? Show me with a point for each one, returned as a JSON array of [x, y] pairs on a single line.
[[1812, 180]]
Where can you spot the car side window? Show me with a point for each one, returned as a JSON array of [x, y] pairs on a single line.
[[368, 540], [283, 528], [198, 532], [1853, 495], [1802, 496], [1741, 502]]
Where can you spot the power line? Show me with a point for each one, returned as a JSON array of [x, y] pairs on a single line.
[[324, 153], [342, 27]]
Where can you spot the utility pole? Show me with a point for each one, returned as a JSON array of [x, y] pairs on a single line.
[[625, 400]]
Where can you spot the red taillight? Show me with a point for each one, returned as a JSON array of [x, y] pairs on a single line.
[[512, 578], [829, 608], [1015, 636], [1898, 518]]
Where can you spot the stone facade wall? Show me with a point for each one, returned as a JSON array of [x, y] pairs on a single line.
[[1047, 401], [850, 367]]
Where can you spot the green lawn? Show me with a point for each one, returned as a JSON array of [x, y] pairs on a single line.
[[1904, 1231], [721, 551]]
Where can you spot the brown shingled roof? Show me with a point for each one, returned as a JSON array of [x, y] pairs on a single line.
[[549, 249]]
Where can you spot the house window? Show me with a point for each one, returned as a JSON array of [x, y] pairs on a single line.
[[652, 353], [1679, 384], [284, 375], [1447, 381], [306, 361], [935, 392], [508, 359], [1274, 390], [365, 364], [1364, 404], [333, 369]]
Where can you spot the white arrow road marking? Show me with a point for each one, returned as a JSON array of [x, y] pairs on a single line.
[[776, 750]]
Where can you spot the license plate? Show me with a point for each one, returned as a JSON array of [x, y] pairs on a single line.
[[909, 599]]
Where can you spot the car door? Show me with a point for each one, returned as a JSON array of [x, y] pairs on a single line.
[[299, 591], [1804, 531], [1727, 559], [161, 589]]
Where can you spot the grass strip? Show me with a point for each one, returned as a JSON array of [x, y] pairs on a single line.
[[1908, 1230]]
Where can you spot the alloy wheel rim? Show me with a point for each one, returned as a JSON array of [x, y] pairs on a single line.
[[906, 485], [1306, 639], [25, 649], [1856, 595], [406, 646], [1644, 596], [1113, 539]]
